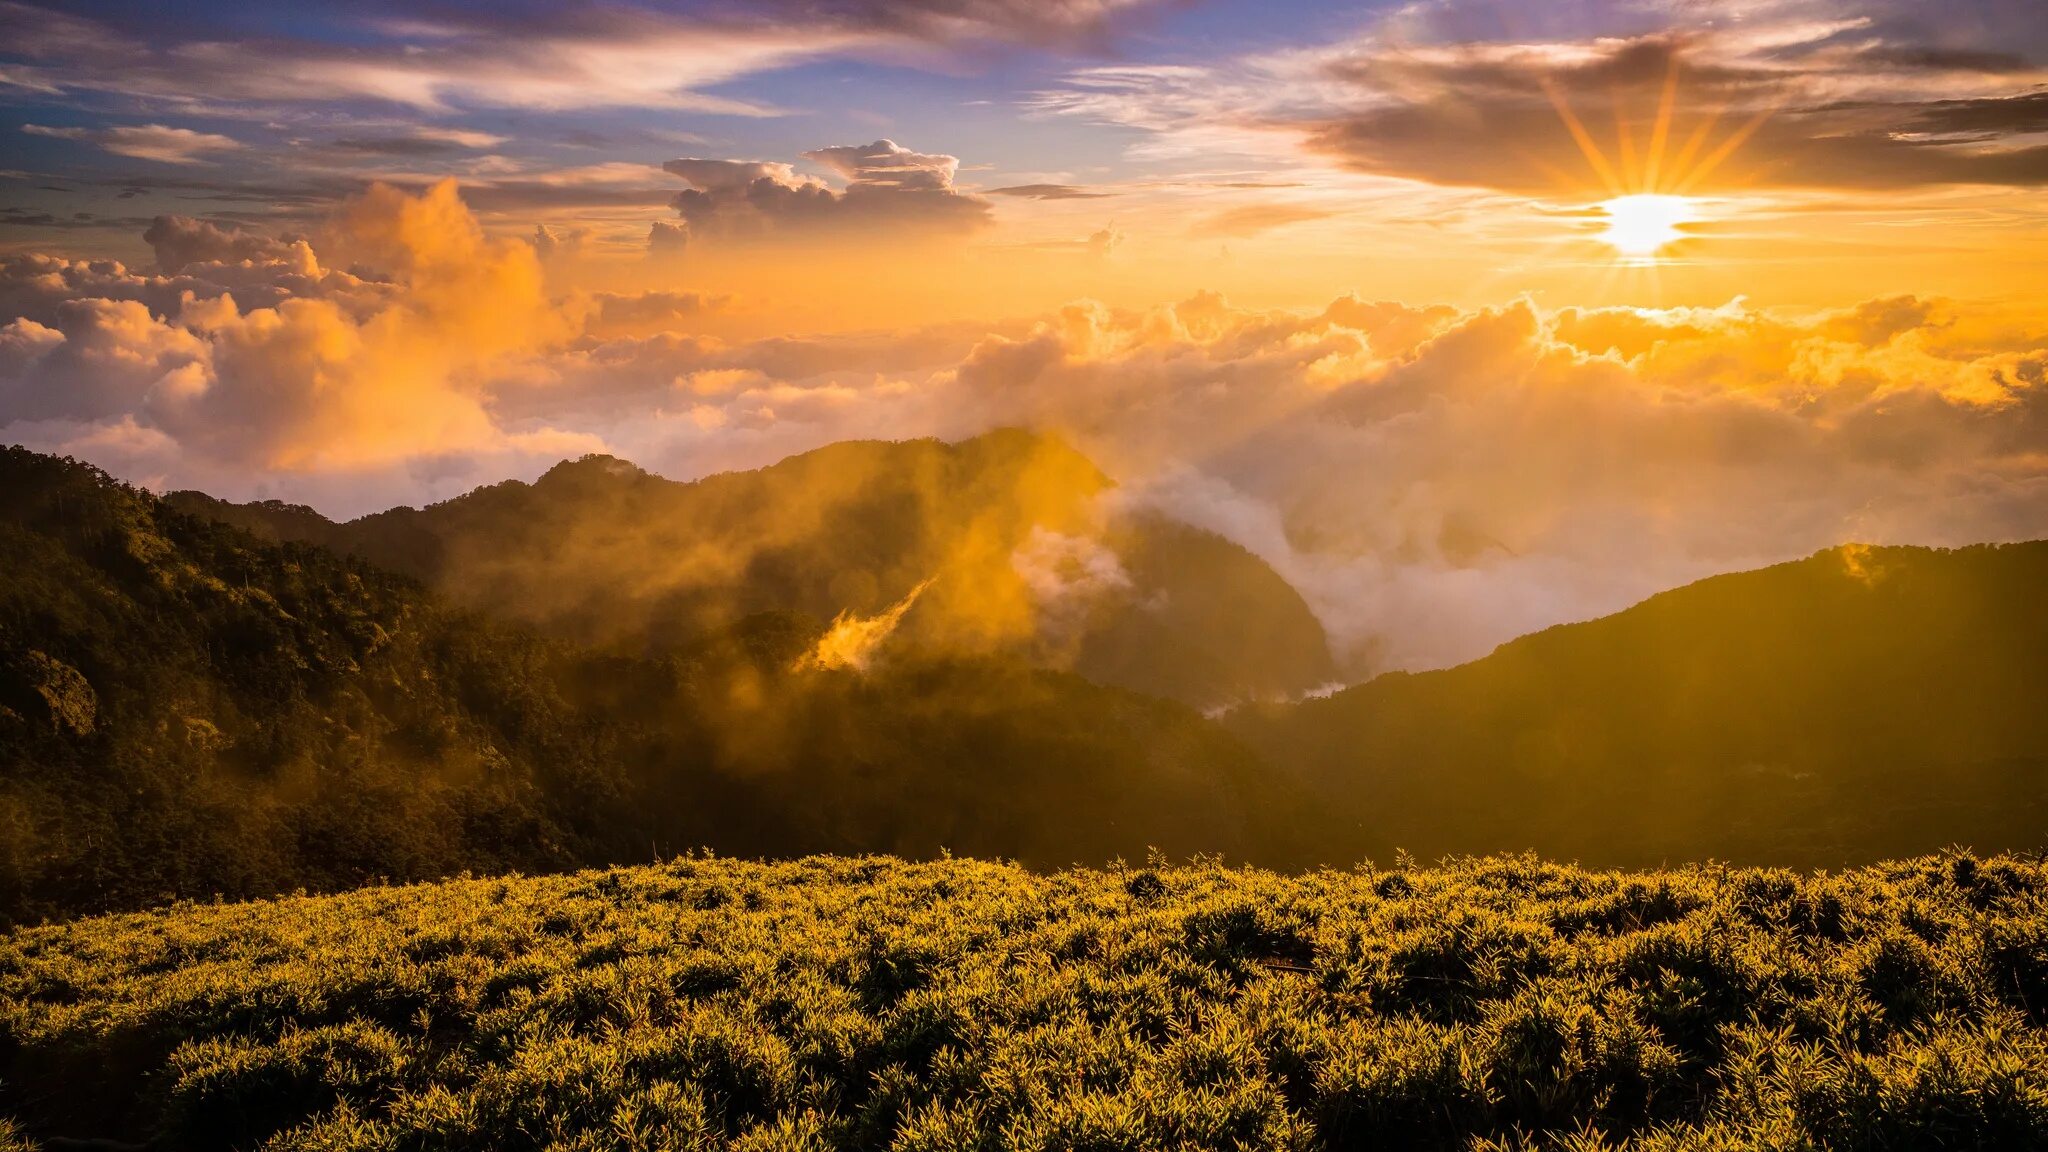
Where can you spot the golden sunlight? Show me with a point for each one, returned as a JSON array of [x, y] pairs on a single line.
[[1640, 226]]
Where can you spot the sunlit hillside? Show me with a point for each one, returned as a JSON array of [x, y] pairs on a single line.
[[1007, 536]]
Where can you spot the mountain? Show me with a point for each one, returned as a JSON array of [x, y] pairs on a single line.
[[188, 709], [1858, 704], [1005, 534]]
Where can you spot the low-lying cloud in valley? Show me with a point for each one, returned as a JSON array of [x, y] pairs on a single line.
[[1435, 480]]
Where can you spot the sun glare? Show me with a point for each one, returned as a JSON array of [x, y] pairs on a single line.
[[1640, 226]]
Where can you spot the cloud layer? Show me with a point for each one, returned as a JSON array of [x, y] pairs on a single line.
[[1671, 95], [1434, 479], [546, 57]]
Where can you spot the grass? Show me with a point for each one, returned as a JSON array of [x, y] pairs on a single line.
[[960, 1004]]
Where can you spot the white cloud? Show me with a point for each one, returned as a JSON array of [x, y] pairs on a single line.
[[157, 142]]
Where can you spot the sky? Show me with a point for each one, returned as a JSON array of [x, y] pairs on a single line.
[[1470, 317]]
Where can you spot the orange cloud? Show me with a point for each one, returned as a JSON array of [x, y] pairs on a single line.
[[1434, 479], [313, 381]]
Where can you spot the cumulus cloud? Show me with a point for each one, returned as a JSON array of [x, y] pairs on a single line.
[[259, 271], [553, 243], [100, 359], [886, 164], [888, 188], [179, 241], [667, 239], [1439, 480], [343, 373]]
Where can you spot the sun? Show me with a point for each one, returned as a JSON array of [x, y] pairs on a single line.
[[1641, 225]]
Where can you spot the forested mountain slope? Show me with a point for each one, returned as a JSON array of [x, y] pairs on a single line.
[[1860, 703], [1005, 533], [187, 709]]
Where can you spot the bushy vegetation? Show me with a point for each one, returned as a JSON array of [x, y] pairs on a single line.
[[959, 1004]]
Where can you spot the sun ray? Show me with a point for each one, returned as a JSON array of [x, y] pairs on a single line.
[[1726, 149], [1584, 139], [1660, 134], [1625, 146], [1697, 139]]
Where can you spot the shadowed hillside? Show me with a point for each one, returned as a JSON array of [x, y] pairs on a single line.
[[186, 709], [1005, 533], [1861, 703]]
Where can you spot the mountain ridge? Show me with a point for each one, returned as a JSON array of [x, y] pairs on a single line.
[[1862, 698], [1007, 529], [187, 710]]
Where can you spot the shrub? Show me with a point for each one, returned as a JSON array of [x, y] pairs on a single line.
[[830, 1003]]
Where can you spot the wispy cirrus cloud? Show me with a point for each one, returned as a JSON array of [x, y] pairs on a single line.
[[437, 56], [1253, 219], [158, 142], [1049, 192], [419, 141]]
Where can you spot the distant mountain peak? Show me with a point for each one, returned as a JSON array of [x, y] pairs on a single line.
[[593, 464]]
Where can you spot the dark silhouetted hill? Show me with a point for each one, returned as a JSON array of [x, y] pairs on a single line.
[[1007, 528], [1862, 703], [187, 709]]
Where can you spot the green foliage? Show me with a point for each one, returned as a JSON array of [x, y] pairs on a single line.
[[825, 1003], [1861, 704]]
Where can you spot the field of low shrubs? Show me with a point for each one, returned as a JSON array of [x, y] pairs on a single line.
[[1500, 1003]]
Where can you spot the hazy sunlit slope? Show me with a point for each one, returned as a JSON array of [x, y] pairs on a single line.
[[835, 1003], [1005, 532], [186, 709], [1861, 703]]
